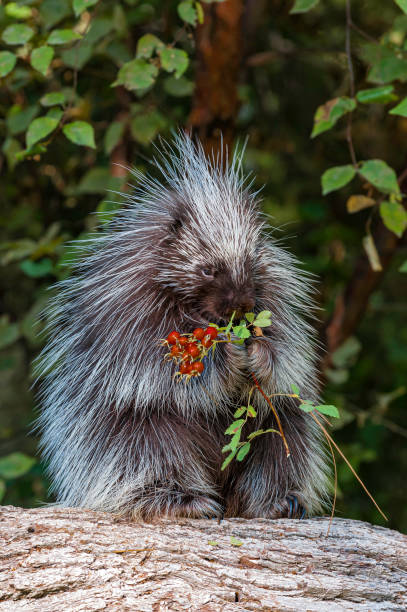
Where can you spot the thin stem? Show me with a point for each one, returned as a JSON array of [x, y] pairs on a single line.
[[328, 437], [335, 486], [363, 33], [351, 81], [287, 450]]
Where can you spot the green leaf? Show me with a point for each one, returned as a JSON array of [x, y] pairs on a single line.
[[380, 175], [402, 4], [77, 56], [249, 316], [17, 34], [9, 332], [394, 217], [39, 129], [295, 389], [13, 9], [37, 149], [10, 148], [53, 98], [19, 119], [55, 113], [147, 45], [243, 450], [331, 411], [41, 58], [251, 412], [403, 267], [400, 109], [387, 65], [302, 6], [37, 269], [80, 133], [337, 177], [53, 11], [82, 5], [346, 354], [2, 489], [146, 126], [228, 459], [96, 180], [263, 319], [187, 12], [241, 331], [113, 135], [63, 37], [371, 252], [106, 210], [15, 465], [240, 411], [327, 115], [174, 60], [178, 87], [136, 74], [199, 12], [235, 542], [212, 543], [7, 62], [307, 407], [234, 427], [376, 95]]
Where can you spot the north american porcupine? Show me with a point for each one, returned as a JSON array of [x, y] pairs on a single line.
[[118, 433]]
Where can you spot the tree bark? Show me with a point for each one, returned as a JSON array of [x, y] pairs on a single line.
[[72, 560], [219, 52]]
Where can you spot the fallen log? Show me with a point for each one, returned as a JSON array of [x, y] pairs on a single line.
[[54, 559]]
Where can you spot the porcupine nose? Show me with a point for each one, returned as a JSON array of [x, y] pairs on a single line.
[[238, 302]]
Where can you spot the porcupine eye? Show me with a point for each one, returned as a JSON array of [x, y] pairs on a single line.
[[208, 272]]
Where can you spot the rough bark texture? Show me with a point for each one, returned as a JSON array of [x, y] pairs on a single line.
[[72, 560], [219, 52]]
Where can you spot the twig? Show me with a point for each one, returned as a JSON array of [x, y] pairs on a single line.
[[328, 437], [335, 486], [287, 450], [351, 81], [363, 33]]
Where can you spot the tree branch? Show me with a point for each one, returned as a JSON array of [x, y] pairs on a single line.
[[75, 559], [219, 52]]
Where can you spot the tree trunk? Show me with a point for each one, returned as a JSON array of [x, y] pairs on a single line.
[[54, 559]]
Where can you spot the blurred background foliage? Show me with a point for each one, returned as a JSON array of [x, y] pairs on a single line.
[[56, 172]]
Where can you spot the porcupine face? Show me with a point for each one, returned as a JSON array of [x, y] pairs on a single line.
[[209, 245], [208, 266]]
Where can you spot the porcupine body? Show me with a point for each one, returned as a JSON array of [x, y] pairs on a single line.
[[118, 432]]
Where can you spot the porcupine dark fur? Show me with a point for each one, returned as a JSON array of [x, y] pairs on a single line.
[[118, 433]]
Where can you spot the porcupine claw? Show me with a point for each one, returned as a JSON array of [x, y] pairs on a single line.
[[295, 510]]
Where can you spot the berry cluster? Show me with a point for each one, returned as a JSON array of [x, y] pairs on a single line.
[[188, 350]]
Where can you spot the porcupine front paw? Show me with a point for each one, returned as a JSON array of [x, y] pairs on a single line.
[[259, 352]]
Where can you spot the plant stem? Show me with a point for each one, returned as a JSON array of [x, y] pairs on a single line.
[[268, 400]]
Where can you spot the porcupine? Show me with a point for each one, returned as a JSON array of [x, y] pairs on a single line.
[[119, 433]]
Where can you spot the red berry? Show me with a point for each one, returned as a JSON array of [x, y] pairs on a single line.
[[212, 332], [182, 341], [173, 337], [193, 349], [198, 333], [207, 342], [186, 357], [185, 368], [175, 351], [197, 368]]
